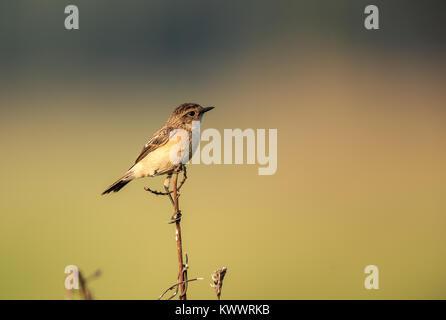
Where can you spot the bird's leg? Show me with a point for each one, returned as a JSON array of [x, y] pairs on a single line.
[[177, 214], [183, 168], [175, 217], [166, 187]]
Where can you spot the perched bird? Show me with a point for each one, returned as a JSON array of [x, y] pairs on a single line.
[[155, 157]]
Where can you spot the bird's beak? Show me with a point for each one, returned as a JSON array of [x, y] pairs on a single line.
[[206, 109]]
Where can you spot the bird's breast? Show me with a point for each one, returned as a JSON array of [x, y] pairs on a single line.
[[179, 149]]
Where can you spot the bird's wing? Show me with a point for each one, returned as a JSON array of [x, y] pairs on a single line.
[[160, 138]]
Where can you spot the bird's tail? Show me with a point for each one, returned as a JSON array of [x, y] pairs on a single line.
[[120, 183]]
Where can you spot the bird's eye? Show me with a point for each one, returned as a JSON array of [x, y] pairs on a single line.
[[192, 113]]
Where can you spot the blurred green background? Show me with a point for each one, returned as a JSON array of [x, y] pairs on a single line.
[[361, 147]]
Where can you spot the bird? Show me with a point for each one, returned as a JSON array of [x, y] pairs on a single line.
[[155, 157]]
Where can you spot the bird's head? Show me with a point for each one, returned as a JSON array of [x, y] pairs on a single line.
[[184, 114]]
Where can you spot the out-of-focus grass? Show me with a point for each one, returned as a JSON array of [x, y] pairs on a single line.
[[360, 180]]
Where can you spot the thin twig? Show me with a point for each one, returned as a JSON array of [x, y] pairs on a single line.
[[158, 193], [94, 275], [176, 286], [182, 271], [84, 291]]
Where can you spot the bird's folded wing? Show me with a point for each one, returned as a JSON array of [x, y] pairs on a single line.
[[160, 138]]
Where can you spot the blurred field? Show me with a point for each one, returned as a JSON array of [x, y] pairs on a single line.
[[360, 180]]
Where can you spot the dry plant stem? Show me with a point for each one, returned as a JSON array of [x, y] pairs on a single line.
[[175, 286], [86, 294], [83, 281], [182, 274], [217, 280], [182, 280]]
